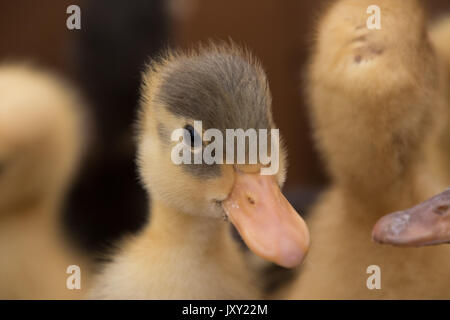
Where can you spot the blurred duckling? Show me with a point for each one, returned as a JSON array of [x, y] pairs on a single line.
[[374, 100], [427, 223], [186, 251], [440, 152], [40, 146]]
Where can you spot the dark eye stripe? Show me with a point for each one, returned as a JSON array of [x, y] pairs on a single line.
[[193, 136]]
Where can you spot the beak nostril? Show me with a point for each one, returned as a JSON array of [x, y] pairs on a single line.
[[250, 199], [441, 209]]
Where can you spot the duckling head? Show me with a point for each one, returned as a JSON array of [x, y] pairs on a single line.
[[39, 137], [185, 97]]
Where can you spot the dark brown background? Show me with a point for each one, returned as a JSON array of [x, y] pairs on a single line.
[[278, 32]]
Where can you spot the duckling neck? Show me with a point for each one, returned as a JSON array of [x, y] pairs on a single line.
[[180, 227], [385, 195], [40, 214], [45, 205]]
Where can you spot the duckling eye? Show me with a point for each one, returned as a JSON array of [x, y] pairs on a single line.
[[192, 137]]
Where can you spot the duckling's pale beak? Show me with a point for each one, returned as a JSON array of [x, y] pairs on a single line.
[[425, 224], [266, 221]]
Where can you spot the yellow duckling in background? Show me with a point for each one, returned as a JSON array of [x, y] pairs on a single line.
[[40, 146], [440, 38], [427, 223], [375, 98], [186, 251]]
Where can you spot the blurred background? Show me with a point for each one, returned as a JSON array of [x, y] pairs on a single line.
[[105, 58]]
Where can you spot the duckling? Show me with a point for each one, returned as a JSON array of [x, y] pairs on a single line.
[[186, 252], [440, 155], [427, 223], [40, 146], [373, 97]]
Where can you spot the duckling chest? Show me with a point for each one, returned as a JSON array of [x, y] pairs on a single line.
[[180, 272]]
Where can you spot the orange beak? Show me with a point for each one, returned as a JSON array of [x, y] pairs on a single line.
[[266, 221]]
